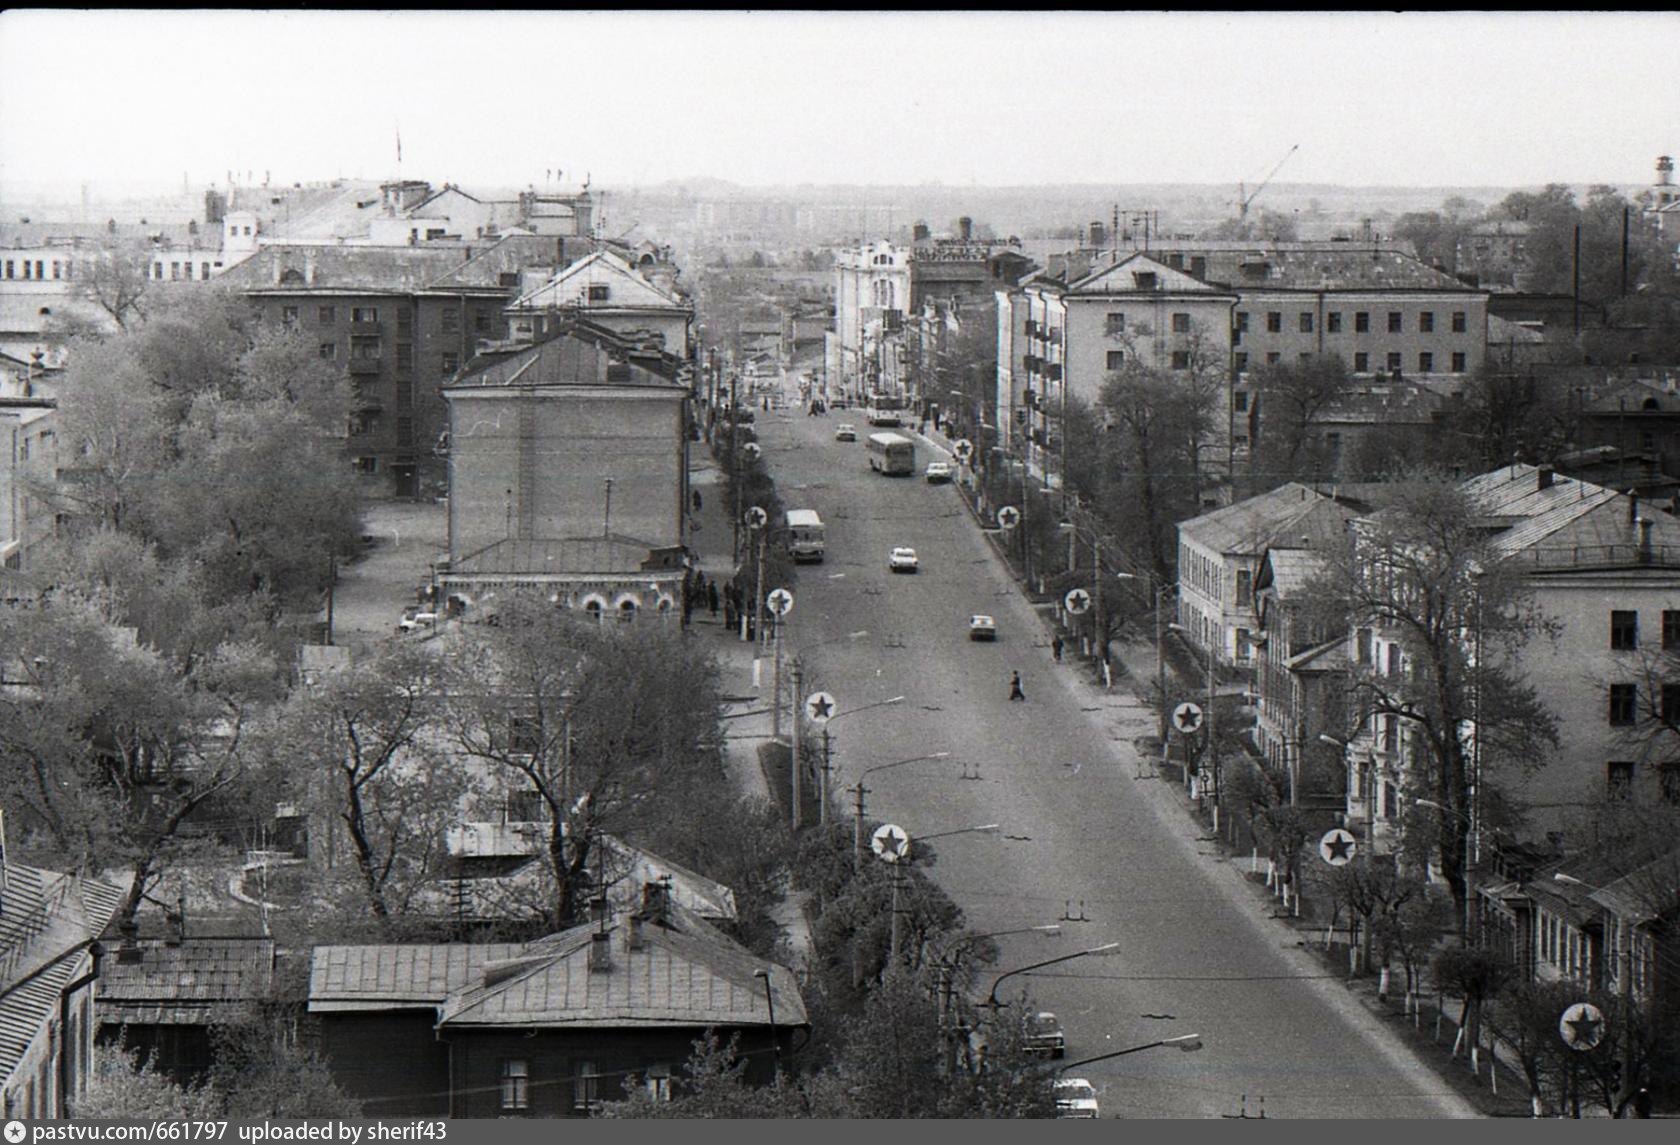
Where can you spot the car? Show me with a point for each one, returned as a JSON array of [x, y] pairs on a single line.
[[1076, 1097], [846, 432], [1044, 1034], [938, 472], [414, 619], [982, 628], [902, 560]]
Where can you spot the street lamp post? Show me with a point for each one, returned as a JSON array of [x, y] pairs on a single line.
[[1212, 740], [946, 963], [991, 995], [1188, 1043], [770, 1001], [859, 790], [1472, 855], [893, 948]]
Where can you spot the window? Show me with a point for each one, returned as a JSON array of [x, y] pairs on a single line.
[[405, 321], [1240, 397], [1426, 362], [1362, 645], [1181, 359], [364, 347], [1396, 322], [1116, 359], [1670, 779], [1624, 630], [1273, 357], [1670, 629], [1458, 362], [327, 315], [526, 807], [405, 392], [1241, 361], [9, 269], [1116, 323], [1333, 322], [1393, 659], [329, 350], [204, 272], [1242, 321], [481, 321], [55, 269], [599, 293], [289, 315], [1361, 362], [1394, 361], [1618, 778], [364, 314], [584, 1079], [451, 363], [1274, 322], [658, 1082], [405, 430], [1426, 322], [1245, 588], [366, 465], [1306, 322], [1390, 729], [1624, 704], [1181, 323], [450, 320], [1460, 322], [405, 355], [175, 272], [1671, 703], [516, 1085], [1361, 322]]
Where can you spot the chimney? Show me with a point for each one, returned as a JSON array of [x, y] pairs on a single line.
[[919, 233], [309, 268], [1099, 235], [965, 228], [1544, 475], [633, 932], [1633, 507], [598, 910], [1644, 541], [600, 952]]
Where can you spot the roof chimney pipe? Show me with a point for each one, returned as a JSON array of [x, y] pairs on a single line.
[[1544, 475], [1644, 541], [1633, 507]]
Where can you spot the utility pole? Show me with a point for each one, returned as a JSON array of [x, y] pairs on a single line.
[[859, 790], [822, 787], [797, 708], [1098, 632]]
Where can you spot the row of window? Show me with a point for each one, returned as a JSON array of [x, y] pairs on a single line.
[[1361, 322], [182, 271], [1458, 361], [1116, 324], [1624, 630], [36, 269], [585, 1079], [1178, 360]]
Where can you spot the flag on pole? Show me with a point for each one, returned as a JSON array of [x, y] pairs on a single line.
[[399, 144]]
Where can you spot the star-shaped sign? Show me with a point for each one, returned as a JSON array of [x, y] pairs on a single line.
[[1008, 517], [1582, 1026], [1187, 718], [891, 842], [780, 601], [1337, 847], [1077, 601], [963, 449], [820, 707], [756, 517]]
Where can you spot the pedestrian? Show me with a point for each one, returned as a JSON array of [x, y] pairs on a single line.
[[728, 613], [1056, 648], [1015, 692], [712, 597], [695, 500], [1642, 1103]]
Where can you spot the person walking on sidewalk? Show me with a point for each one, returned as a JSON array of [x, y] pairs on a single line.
[[1056, 648], [1015, 692], [712, 597]]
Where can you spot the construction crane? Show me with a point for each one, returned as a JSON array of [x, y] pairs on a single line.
[[1245, 197]]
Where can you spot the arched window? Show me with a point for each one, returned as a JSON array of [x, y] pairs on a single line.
[[1651, 404], [626, 611], [883, 292], [292, 275], [594, 607]]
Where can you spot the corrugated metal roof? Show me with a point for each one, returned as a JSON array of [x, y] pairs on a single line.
[[181, 984], [1250, 526]]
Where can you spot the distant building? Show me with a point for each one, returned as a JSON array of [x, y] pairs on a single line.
[[1495, 252], [1664, 206], [604, 289]]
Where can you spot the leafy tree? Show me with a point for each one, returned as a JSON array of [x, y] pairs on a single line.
[[1289, 400], [123, 1087], [263, 1066], [1476, 976], [1435, 235], [1424, 574]]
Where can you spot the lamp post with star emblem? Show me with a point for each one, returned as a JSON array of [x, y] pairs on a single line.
[[894, 846], [859, 791], [1212, 741]]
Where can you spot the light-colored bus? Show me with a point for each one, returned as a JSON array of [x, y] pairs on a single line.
[[884, 409], [892, 454], [804, 535]]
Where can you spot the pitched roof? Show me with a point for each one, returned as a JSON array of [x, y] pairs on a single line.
[[569, 287], [1251, 526], [510, 255], [190, 983], [586, 556], [1569, 522], [46, 918], [567, 360], [674, 972], [1125, 277], [344, 268]]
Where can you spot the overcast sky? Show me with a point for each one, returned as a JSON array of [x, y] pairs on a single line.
[[786, 98]]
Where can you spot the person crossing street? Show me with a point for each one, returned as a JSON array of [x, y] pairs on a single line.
[[1015, 692]]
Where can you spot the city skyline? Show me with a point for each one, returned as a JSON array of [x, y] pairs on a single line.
[[782, 99]]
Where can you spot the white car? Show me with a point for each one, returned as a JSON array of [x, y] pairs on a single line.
[[982, 628], [938, 472], [845, 432], [413, 619], [902, 560], [1076, 1097]]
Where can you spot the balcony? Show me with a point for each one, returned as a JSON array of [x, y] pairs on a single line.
[[364, 326], [366, 398], [363, 367]]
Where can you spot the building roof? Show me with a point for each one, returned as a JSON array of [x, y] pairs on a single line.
[[1569, 523], [323, 269], [46, 920], [190, 983], [1250, 527], [508, 256], [1288, 571], [569, 287], [570, 359], [574, 557], [1129, 275], [664, 969]]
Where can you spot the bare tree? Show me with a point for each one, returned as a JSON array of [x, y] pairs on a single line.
[[115, 279]]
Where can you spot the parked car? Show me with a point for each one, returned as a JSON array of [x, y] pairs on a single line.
[[414, 619], [902, 560], [982, 628], [938, 472], [1076, 1097], [1044, 1034], [846, 432]]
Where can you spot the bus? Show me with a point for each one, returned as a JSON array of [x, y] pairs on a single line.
[[892, 454], [884, 409], [804, 535]]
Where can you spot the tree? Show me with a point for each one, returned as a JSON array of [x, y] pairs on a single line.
[[109, 755], [115, 280], [1435, 235], [262, 1065], [596, 721], [1288, 402], [1476, 975], [1423, 574], [121, 1087]]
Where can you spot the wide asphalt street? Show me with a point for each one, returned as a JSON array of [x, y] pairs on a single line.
[[1082, 835]]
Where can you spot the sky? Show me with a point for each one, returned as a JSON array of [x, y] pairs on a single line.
[[784, 98]]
